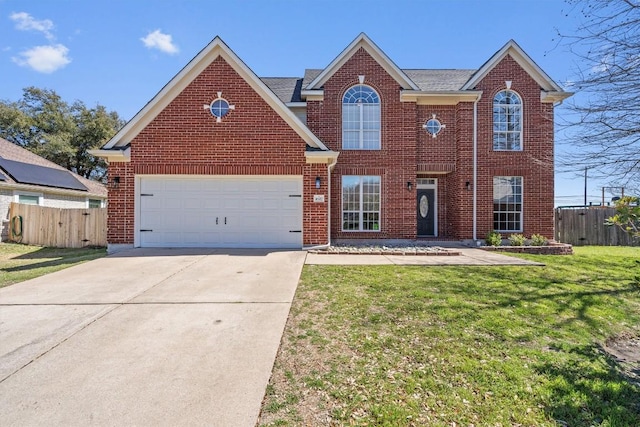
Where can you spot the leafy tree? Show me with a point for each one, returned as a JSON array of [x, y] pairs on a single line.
[[627, 216], [604, 127], [44, 123]]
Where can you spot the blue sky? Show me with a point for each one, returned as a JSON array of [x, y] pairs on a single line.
[[120, 53]]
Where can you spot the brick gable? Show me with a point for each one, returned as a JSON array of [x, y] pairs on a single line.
[[395, 162], [184, 138], [534, 163]]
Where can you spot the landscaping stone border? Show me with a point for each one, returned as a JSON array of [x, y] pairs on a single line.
[[551, 249], [384, 250]]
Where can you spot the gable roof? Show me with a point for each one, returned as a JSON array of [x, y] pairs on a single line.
[[216, 48], [515, 51], [362, 41], [20, 166], [288, 89]]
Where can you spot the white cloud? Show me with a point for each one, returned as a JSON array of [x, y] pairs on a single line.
[[44, 59], [26, 22], [160, 41]]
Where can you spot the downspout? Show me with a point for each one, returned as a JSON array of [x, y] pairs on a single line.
[[475, 170], [330, 167]]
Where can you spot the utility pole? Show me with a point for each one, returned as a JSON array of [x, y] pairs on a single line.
[[585, 185]]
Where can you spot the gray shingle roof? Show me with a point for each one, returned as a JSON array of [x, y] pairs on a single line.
[[15, 153], [439, 80], [288, 88], [309, 75], [285, 88]]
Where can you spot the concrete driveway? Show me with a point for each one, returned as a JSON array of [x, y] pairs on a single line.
[[146, 337]]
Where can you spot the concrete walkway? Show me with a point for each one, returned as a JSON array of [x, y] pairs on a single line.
[[469, 256], [147, 337]]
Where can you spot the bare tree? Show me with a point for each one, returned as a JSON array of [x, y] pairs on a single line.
[[603, 124]]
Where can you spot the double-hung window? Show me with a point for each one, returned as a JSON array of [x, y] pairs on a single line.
[[361, 119], [507, 203], [360, 203], [507, 121]]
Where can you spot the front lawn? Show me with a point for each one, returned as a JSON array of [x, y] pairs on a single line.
[[22, 262], [449, 346]]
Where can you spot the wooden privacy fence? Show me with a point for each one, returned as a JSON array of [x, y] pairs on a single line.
[[586, 226], [55, 227]]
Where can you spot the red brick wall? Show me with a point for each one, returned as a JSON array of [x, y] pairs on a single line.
[[534, 163], [408, 151], [185, 139], [395, 163], [120, 209], [315, 216], [254, 140]]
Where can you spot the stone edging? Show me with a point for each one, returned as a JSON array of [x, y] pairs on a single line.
[[441, 252], [552, 249]]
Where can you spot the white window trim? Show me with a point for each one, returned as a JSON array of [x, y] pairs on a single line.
[[521, 229], [94, 198], [17, 194], [521, 122], [360, 207], [361, 129]]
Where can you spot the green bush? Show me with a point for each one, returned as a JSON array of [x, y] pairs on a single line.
[[494, 239], [627, 216], [538, 240], [516, 240]]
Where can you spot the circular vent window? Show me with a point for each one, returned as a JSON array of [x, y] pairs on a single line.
[[433, 126], [219, 108]]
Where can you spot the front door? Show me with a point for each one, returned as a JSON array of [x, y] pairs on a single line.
[[426, 211]]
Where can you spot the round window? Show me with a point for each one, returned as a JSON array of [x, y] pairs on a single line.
[[433, 126], [219, 108]]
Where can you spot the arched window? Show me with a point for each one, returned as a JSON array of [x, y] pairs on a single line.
[[507, 121], [361, 119]]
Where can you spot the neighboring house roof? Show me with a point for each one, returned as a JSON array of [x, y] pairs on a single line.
[[217, 48], [20, 166]]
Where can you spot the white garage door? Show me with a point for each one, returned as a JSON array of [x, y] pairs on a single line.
[[221, 211]]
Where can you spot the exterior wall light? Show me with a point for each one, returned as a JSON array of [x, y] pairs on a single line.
[[409, 185], [318, 182]]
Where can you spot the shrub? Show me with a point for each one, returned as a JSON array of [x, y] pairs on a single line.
[[516, 240], [627, 216], [538, 240], [494, 239]]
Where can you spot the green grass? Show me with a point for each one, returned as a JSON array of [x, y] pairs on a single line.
[[21, 262], [396, 346]]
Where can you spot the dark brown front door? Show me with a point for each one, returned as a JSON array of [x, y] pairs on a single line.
[[426, 209]]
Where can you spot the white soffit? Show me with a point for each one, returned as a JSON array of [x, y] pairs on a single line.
[[181, 80], [378, 55], [519, 55]]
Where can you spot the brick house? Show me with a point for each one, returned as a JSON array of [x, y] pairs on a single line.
[[358, 150]]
